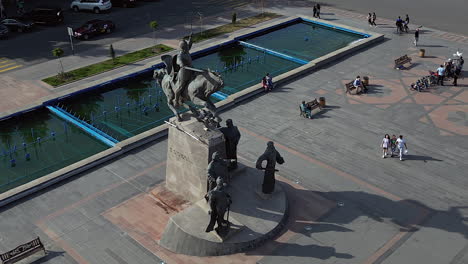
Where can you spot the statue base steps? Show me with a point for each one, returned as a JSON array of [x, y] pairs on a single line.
[[253, 220]]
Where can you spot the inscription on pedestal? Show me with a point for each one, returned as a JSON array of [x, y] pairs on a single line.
[[188, 158]]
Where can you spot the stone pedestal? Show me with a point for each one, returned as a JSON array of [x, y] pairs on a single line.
[[190, 147], [253, 220]]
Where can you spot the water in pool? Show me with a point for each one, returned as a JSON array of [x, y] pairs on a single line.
[[252, 65], [305, 40], [35, 144]]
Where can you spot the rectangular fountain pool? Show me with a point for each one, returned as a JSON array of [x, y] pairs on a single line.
[[305, 40], [37, 143]]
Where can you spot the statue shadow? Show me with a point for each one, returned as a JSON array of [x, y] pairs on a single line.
[[46, 258], [313, 212]]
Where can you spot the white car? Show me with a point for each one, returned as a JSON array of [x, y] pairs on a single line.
[[94, 5]]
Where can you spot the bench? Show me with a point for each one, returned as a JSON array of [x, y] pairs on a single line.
[[401, 61], [22, 251], [310, 105]]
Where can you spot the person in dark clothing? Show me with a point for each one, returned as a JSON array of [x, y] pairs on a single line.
[[318, 10], [315, 10], [374, 17], [456, 74], [369, 19], [407, 19], [416, 37], [399, 25]]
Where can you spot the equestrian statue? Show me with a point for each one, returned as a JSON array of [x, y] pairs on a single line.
[[183, 83]]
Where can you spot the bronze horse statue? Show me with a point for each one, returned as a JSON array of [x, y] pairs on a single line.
[[202, 85]]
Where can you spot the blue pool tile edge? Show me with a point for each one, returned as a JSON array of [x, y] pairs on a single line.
[[336, 27]]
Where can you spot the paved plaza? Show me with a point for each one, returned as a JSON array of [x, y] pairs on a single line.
[[347, 204]]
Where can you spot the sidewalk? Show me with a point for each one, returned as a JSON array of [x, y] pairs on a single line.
[[384, 210], [24, 87]]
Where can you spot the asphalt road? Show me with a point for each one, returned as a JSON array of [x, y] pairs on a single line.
[[36, 46]]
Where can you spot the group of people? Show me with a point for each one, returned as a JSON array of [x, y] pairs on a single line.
[[316, 10], [392, 144], [450, 69], [402, 25], [359, 85], [371, 19]]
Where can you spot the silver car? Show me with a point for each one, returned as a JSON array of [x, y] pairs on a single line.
[[93, 5]]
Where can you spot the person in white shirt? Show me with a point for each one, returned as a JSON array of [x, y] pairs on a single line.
[[385, 144], [441, 74], [401, 143]]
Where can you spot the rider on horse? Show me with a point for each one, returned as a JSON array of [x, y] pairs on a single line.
[[183, 67]]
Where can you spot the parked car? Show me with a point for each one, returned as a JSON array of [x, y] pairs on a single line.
[[97, 6], [3, 31], [18, 24], [45, 15], [123, 3], [94, 27]]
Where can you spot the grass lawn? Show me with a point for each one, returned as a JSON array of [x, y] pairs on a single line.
[[123, 60], [228, 28], [107, 65]]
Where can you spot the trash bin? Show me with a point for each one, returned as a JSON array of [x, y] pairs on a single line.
[[322, 101], [422, 52], [365, 80]]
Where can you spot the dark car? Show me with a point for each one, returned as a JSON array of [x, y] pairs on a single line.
[[123, 3], [92, 28], [46, 15], [18, 24], [3, 31]]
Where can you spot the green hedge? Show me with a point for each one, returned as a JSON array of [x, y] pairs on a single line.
[[107, 65]]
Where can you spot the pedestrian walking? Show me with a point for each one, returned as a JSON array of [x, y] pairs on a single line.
[[318, 10], [401, 143], [385, 144], [456, 75], [315, 10], [374, 17], [369, 19], [393, 144], [416, 37], [407, 19], [399, 25], [440, 75]]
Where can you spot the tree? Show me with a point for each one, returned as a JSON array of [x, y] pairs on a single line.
[[154, 25], [112, 53], [58, 52], [234, 17]]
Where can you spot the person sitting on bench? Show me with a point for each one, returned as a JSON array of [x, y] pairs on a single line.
[[305, 109], [360, 87]]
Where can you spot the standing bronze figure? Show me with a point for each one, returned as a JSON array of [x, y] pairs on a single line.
[[217, 168], [272, 156], [232, 136], [220, 202]]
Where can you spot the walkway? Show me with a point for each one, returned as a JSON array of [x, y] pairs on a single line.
[[348, 204]]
